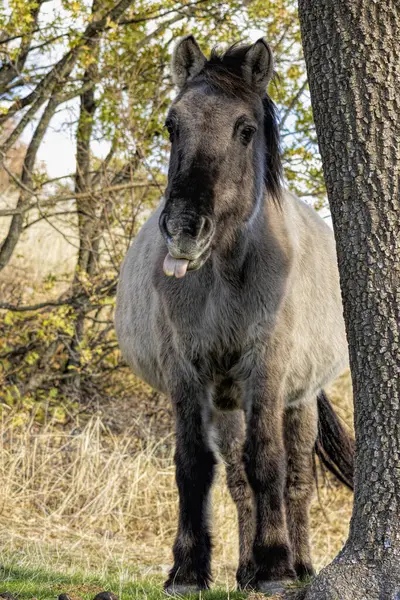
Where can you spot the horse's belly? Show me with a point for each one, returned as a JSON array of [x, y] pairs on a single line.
[[150, 373], [137, 343], [142, 359], [308, 374]]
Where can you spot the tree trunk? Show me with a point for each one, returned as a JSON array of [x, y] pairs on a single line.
[[8, 245], [352, 54], [86, 206]]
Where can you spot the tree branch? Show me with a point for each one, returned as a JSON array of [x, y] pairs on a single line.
[[105, 289], [293, 103], [95, 193], [15, 229], [10, 70], [44, 88]]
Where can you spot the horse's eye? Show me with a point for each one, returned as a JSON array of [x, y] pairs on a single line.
[[171, 127], [246, 134]]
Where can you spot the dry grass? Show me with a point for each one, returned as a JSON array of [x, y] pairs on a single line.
[[91, 500]]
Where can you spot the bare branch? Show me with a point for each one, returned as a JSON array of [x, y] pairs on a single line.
[[32, 307], [95, 193], [15, 229], [152, 16], [293, 103], [44, 89], [106, 288]]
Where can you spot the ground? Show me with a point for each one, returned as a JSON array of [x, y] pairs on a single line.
[[31, 583], [39, 584]]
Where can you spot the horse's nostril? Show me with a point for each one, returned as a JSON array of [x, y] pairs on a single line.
[[198, 228], [205, 227], [163, 225]]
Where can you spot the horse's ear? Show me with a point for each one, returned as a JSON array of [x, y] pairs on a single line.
[[187, 61], [258, 66]]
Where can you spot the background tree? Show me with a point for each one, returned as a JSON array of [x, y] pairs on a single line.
[[351, 51]]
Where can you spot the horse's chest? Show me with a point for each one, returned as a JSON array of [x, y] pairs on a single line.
[[216, 328], [224, 340], [227, 324]]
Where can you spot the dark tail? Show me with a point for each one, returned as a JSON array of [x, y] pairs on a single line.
[[334, 446]]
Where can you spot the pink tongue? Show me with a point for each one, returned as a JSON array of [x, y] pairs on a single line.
[[175, 266]]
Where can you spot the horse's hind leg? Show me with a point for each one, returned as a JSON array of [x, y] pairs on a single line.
[[301, 425], [230, 428], [265, 462]]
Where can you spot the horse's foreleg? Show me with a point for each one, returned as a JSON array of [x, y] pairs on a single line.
[[301, 424], [266, 471], [194, 462], [231, 435]]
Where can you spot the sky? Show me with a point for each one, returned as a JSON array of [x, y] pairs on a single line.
[[57, 150]]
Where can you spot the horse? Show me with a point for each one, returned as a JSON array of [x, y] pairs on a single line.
[[229, 302]]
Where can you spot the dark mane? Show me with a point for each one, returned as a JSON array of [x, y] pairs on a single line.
[[223, 72]]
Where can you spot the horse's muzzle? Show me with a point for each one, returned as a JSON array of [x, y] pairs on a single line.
[[188, 239]]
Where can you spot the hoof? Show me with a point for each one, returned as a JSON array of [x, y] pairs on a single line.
[[304, 572], [64, 597], [181, 589], [246, 577], [182, 582], [273, 587], [105, 596], [7, 596]]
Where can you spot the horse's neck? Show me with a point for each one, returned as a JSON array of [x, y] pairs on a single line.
[[241, 243], [229, 258]]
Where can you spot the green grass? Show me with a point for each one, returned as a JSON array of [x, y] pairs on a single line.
[[27, 583]]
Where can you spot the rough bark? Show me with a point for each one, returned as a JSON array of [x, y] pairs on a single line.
[[351, 51]]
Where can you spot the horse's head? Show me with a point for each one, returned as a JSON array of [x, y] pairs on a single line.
[[224, 149]]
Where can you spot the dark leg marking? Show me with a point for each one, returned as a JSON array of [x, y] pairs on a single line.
[[265, 461], [195, 463], [230, 428], [301, 425]]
